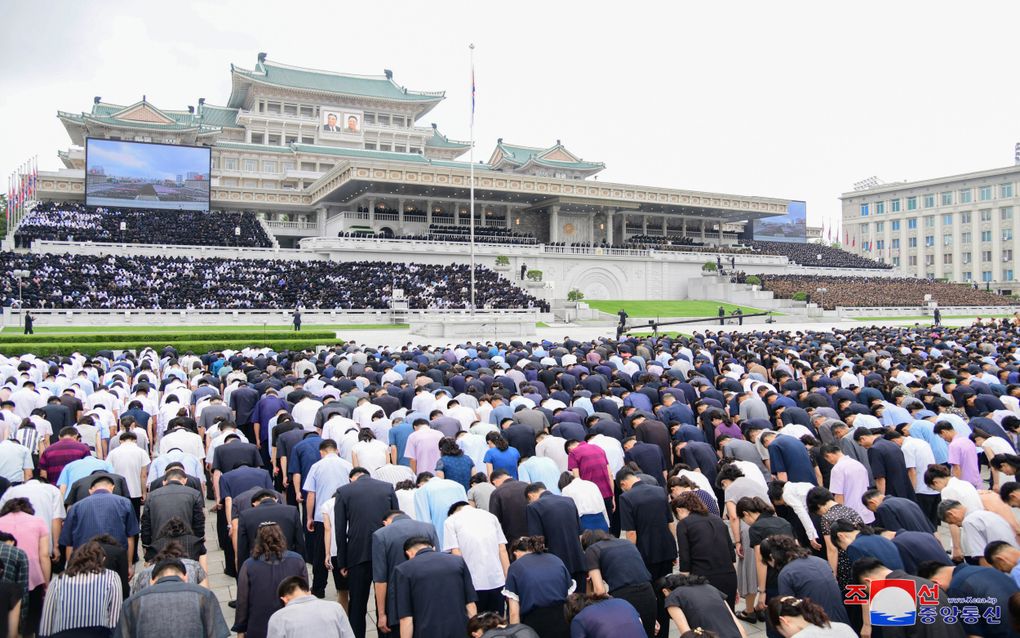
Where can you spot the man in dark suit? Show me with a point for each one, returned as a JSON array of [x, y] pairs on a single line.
[[174, 500], [360, 508], [435, 594], [330, 124], [555, 517], [266, 509], [243, 401], [509, 504], [387, 554], [80, 488]]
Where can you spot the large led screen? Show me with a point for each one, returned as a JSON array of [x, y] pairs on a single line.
[[791, 227], [121, 174]]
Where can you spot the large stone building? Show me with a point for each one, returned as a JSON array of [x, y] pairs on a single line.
[[962, 228], [318, 154]]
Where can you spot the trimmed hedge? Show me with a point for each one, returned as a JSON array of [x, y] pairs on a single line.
[[46, 348], [169, 337]]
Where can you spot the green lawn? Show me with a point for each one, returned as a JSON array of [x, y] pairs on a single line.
[[683, 308], [199, 328]]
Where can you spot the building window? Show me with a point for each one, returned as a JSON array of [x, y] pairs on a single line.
[[929, 260], [288, 166], [1005, 191], [879, 227], [230, 163], [258, 138], [383, 119], [290, 109], [911, 223], [986, 255], [273, 107], [986, 275], [1006, 213], [864, 210], [1007, 234], [947, 220], [986, 235], [965, 257], [880, 244], [290, 139], [947, 239], [947, 198], [1007, 255], [985, 193], [929, 241], [384, 147], [1007, 274], [398, 120], [250, 166], [967, 275], [912, 260], [369, 118], [894, 205], [274, 140], [929, 221], [414, 149], [896, 262], [947, 258], [965, 217], [912, 203], [268, 167], [308, 111], [895, 224], [879, 208], [986, 215], [399, 148], [965, 196], [896, 243], [965, 237], [929, 201], [912, 242], [369, 146]]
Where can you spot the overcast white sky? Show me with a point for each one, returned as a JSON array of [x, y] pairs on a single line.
[[786, 99]]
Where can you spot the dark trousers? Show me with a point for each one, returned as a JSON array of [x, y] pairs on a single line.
[[491, 600], [317, 556], [223, 536], [248, 429], [642, 598], [614, 517], [359, 579], [929, 504], [658, 570]]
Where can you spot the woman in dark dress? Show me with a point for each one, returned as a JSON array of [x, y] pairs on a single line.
[[258, 578], [804, 575], [705, 546], [537, 586], [762, 524]]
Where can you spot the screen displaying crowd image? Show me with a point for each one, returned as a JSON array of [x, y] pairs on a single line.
[[144, 175], [791, 227], [334, 121]]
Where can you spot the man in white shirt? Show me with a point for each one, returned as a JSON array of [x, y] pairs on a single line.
[[26, 399], [362, 414], [478, 538], [613, 450], [183, 438], [48, 504], [304, 412], [795, 495], [131, 462], [15, 462]]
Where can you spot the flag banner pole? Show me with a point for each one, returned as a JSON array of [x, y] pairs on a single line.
[[472, 161]]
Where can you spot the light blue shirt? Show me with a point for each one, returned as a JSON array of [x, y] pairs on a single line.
[[80, 469], [433, 500], [540, 469], [326, 476], [894, 415], [192, 466], [925, 430]]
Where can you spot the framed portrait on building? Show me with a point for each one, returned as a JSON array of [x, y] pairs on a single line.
[[352, 123], [331, 120]]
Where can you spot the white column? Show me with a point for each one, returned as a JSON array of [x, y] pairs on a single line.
[[509, 216], [703, 229], [371, 210], [939, 248], [683, 226], [996, 245], [644, 224], [554, 223], [609, 226], [400, 216], [428, 211], [320, 220], [664, 225]]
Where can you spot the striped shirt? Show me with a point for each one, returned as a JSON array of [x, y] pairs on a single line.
[[15, 570], [29, 437], [85, 600]]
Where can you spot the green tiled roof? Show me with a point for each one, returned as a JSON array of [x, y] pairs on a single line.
[[219, 116], [521, 155], [438, 140], [369, 86], [110, 121]]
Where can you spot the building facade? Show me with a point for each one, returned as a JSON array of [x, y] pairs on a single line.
[[962, 228], [318, 153]]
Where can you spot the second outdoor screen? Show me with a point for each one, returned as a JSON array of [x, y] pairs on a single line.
[[121, 174]]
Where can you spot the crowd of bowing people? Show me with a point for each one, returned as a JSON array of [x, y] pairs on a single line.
[[601, 488]]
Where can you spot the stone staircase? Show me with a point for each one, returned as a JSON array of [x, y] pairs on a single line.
[[265, 227], [720, 289]]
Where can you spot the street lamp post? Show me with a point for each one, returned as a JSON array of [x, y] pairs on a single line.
[[821, 297]]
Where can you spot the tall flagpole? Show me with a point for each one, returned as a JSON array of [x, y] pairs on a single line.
[[472, 160]]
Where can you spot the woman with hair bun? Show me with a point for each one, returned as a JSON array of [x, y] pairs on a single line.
[[801, 618], [537, 586], [804, 575], [694, 604]]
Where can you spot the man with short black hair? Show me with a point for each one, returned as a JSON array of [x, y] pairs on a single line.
[[171, 606], [435, 596], [102, 512], [304, 615], [173, 500], [387, 553]]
